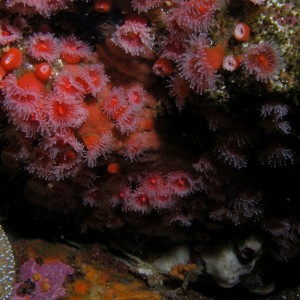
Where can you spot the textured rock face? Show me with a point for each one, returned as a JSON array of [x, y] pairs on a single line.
[[7, 267], [46, 273], [179, 255], [225, 262]]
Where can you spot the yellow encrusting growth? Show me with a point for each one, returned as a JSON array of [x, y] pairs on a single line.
[[134, 290]]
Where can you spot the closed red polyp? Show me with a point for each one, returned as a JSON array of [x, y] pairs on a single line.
[[30, 81], [43, 71], [163, 67], [215, 56], [12, 59], [242, 32], [103, 6], [231, 63]]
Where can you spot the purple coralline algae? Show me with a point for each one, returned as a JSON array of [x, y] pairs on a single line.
[[46, 280]]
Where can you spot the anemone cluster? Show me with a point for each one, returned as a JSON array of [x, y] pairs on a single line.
[[180, 122]]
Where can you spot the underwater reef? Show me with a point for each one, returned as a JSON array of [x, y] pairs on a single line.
[[167, 131]]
